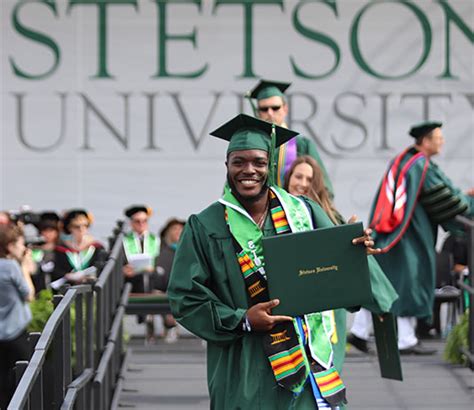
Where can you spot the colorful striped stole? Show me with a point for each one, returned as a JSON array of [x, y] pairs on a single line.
[[289, 348], [287, 154], [279, 219], [329, 382], [288, 362]]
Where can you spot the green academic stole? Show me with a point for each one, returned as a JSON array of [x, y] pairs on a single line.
[[289, 344], [132, 245], [37, 255], [80, 260]]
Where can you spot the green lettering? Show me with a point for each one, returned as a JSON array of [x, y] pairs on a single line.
[[102, 71], [164, 37], [452, 16], [316, 36], [248, 28], [37, 37], [425, 25]]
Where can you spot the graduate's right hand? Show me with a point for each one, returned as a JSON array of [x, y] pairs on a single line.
[[260, 316]]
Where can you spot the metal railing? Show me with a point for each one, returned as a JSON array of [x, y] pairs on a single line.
[[54, 377], [469, 287], [44, 379]]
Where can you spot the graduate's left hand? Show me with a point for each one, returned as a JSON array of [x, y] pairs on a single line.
[[368, 242]]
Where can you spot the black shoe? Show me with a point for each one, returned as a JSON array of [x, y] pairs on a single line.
[[431, 335], [418, 350], [358, 343]]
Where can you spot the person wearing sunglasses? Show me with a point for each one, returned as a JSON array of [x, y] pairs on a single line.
[[271, 106], [78, 251]]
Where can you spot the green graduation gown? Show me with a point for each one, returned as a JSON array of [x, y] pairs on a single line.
[[410, 264], [208, 297], [304, 146]]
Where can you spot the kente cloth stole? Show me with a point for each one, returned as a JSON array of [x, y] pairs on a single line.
[[80, 260], [296, 353], [286, 156], [132, 245]]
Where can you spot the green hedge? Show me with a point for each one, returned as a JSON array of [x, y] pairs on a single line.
[[457, 339], [41, 309]]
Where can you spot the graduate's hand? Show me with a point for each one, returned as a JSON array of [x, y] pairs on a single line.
[[368, 242], [128, 271], [352, 219], [260, 316], [470, 192]]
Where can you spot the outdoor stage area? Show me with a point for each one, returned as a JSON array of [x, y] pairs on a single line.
[[173, 377]]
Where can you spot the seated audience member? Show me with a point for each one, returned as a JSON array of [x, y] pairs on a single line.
[[139, 241], [79, 251], [455, 247], [169, 236], [141, 249], [16, 289], [5, 218], [43, 254]]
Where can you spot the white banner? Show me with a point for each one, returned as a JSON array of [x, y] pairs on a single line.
[[105, 103]]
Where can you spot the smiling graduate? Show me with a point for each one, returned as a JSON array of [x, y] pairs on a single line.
[[218, 289]]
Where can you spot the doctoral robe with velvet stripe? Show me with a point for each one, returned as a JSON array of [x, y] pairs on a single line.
[[304, 146], [207, 296], [410, 264]]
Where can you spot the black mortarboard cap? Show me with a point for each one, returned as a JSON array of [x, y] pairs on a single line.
[[72, 214], [420, 130], [48, 220], [133, 209]]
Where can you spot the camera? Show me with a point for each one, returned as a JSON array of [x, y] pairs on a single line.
[[29, 220], [34, 241], [25, 217]]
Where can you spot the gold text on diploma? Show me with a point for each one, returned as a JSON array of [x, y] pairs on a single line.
[[318, 269]]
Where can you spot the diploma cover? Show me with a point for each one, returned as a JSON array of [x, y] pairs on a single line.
[[317, 270]]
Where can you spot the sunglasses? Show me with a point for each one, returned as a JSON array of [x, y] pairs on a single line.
[[272, 107]]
